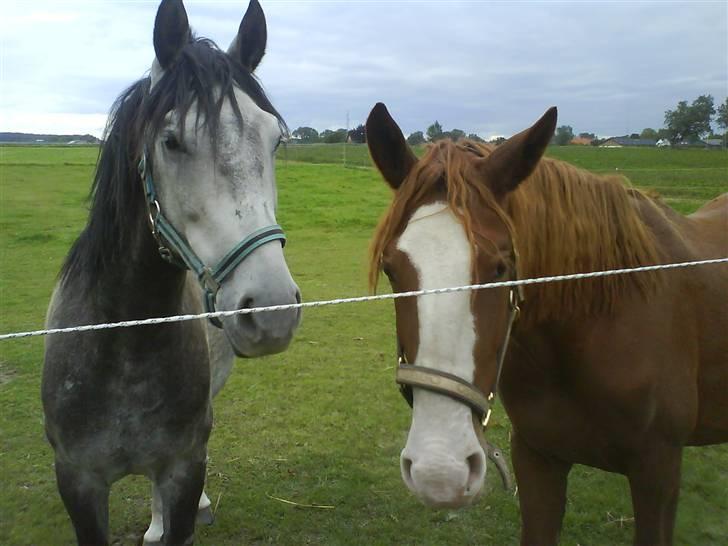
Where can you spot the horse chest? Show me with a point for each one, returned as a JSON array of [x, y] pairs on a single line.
[[545, 411]]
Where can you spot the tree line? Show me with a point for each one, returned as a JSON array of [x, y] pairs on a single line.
[[687, 123]]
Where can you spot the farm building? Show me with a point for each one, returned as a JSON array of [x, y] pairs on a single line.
[[713, 143], [622, 142], [581, 141]]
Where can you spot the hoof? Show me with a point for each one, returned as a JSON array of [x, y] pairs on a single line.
[[205, 516]]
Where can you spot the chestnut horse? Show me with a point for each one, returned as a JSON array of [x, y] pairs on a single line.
[[617, 372]]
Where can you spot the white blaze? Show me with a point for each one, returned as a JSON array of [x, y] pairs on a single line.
[[443, 462]]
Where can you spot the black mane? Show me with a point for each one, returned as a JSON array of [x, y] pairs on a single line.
[[117, 201]]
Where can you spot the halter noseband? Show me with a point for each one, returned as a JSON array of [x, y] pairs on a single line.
[[431, 379], [174, 249]]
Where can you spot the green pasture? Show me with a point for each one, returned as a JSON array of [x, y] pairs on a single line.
[[684, 178], [321, 425]]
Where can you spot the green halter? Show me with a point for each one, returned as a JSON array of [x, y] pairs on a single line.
[[174, 249]]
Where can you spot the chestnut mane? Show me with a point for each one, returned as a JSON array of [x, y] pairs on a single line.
[[561, 220]]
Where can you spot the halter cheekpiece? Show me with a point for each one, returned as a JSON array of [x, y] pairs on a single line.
[[434, 380], [173, 247]]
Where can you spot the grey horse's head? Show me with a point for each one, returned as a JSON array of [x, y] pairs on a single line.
[[210, 144]]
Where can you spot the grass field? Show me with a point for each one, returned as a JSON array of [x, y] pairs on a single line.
[[322, 423]]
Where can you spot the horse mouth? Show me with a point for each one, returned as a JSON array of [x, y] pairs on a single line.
[[258, 350], [252, 341]]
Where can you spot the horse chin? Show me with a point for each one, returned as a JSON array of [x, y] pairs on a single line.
[[248, 350], [247, 344], [462, 501]]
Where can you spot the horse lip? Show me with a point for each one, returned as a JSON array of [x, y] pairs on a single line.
[[255, 350]]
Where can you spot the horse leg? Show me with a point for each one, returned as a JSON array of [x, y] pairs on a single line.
[[541, 493], [180, 487], [86, 498], [655, 485], [153, 536], [204, 511]]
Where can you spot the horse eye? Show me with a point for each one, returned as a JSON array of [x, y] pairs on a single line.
[[500, 270], [171, 142]]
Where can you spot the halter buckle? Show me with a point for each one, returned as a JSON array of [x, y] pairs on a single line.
[[165, 253], [154, 215], [208, 280], [486, 418]]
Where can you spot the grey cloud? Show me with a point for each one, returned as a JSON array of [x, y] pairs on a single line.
[[482, 67]]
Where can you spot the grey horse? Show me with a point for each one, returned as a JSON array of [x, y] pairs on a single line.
[[182, 220]]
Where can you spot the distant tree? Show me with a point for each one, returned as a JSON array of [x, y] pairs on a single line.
[[358, 135], [564, 135], [497, 140], [434, 131], [475, 137], [455, 134], [333, 137], [663, 133], [689, 123], [634, 136], [416, 138], [590, 136], [648, 134], [721, 116], [307, 135]]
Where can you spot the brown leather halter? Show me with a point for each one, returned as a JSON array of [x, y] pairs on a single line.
[[431, 379]]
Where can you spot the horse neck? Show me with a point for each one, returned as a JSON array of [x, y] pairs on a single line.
[[135, 282], [569, 221]]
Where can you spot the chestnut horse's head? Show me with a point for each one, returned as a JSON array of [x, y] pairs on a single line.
[[446, 227]]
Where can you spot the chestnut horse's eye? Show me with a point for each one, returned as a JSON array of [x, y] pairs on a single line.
[[500, 270]]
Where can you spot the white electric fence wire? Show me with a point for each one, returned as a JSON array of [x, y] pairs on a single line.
[[360, 299]]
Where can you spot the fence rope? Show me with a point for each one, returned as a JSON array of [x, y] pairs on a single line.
[[359, 299]]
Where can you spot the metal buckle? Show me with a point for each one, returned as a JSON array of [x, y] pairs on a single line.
[[153, 216], [486, 417], [208, 281], [165, 253], [515, 299]]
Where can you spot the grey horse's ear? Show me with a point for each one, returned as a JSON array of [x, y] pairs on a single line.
[[248, 47], [171, 32]]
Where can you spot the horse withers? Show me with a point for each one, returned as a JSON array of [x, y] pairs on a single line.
[[618, 373], [182, 220]]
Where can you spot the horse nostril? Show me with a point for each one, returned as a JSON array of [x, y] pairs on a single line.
[[246, 320], [476, 471], [406, 468]]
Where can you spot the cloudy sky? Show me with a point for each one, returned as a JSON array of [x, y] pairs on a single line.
[[485, 67]]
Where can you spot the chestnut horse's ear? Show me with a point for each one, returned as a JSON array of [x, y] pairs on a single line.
[[248, 47], [514, 160], [171, 31], [387, 146]]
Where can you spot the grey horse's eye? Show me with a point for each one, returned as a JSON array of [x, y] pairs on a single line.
[[171, 142]]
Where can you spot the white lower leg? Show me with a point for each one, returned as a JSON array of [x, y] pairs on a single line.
[[156, 528], [204, 502]]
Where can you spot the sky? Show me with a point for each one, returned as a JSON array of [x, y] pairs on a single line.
[[490, 68]]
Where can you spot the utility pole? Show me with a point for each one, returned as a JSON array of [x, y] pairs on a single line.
[[346, 137]]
